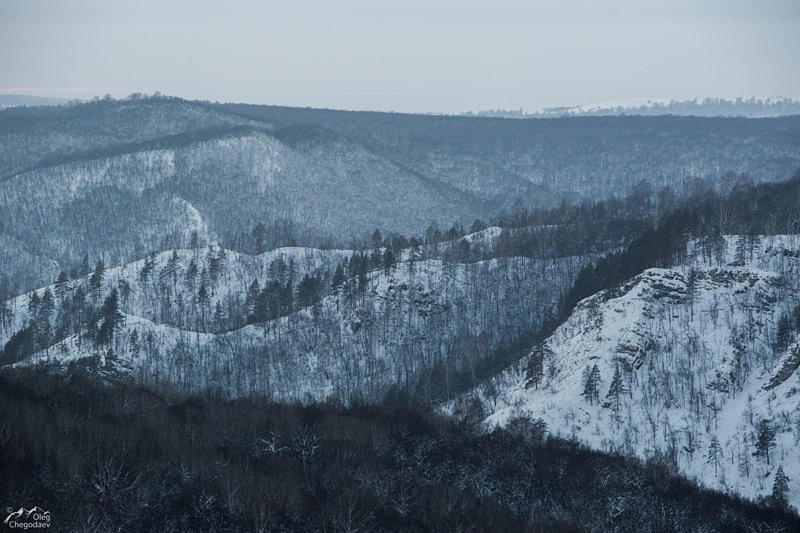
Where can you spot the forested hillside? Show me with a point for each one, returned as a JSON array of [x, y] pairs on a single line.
[[124, 458], [295, 323], [696, 361], [123, 178], [221, 316]]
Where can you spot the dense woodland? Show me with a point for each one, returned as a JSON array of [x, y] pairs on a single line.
[[123, 178], [111, 458], [437, 313], [749, 211], [245, 318], [684, 342]]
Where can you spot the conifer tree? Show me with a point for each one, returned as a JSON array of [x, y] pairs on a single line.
[[214, 267], [170, 268], [616, 389], [83, 269], [109, 319], [535, 369], [252, 294], [147, 269], [591, 384], [96, 281], [61, 285], [191, 273], [780, 488], [765, 439], [691, 290], [741, 251], [258, 236], [783, 335], [33, 305], [388, 261], [714, 455], [44, 315], [796, 317], [46, 306], [338, 278], [477, 226], [377, 239]]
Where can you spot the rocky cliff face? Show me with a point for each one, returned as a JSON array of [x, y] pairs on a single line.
[[689, 363]]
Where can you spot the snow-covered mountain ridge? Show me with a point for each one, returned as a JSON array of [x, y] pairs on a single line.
[[293, 323], [687, 361], [702, 107], [109, 173]]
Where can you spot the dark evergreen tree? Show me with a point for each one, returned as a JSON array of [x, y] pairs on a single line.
[[33, 305], [535, 370], [20, 345], [783, 335], [714, 454], [765, 439], [170, 270], [433, 234], [258, 237], [202, 294], [740, 254], [780, 488], [108, 319], [5, 313], [147, 269], [616, 389], [79, 306], [591, 385], [287, 298], [338, 278], [252, 294], [62, 285], [691, 290], [191, 273], [388, 261], [377, 239], [214, 266], [83, 268], [796, 318], [307, 291], [46, 306], [96, 281], [478, 225], [43, 325]]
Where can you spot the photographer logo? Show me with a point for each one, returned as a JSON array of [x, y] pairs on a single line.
[[34, 518]]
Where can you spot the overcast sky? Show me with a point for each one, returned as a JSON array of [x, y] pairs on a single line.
[[404, 55]]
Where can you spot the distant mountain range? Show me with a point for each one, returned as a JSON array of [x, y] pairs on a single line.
[[11, 100], [121, 178], [697, 107], [628, 283]]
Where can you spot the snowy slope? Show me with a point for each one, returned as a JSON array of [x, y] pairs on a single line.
[[355, 342], [695, 350], [140, 297], [348, 349], [237, 271]]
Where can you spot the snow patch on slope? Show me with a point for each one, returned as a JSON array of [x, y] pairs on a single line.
[[695, 348]]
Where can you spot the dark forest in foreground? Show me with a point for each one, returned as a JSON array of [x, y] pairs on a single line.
[[121, 458]]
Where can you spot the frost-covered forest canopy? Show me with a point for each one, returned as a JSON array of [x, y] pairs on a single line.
[[123, 178], [391, 319]]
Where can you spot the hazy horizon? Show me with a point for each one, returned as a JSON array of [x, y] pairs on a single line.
[[441, 56]]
